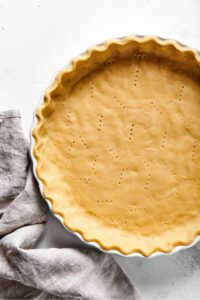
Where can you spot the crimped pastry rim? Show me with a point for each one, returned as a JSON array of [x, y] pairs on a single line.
[[38, 122]]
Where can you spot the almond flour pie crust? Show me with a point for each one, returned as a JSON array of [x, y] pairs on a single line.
[[117, 145]]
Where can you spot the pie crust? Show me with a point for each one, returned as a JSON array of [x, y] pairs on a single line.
[[117, 145]]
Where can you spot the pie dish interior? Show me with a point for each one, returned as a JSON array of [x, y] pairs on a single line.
[[117, 143]]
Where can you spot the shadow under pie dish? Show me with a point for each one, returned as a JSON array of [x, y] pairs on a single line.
[[116, 145]]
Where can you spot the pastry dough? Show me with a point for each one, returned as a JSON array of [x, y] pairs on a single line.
[[117, 145]]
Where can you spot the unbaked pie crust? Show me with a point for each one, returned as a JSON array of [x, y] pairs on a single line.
[[117, 145]]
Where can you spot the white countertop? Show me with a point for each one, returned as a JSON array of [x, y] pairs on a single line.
[[38, 38]]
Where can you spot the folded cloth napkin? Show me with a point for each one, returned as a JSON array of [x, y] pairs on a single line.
[[28, 273]]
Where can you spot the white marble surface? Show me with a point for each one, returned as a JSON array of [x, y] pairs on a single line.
[[38, 38]]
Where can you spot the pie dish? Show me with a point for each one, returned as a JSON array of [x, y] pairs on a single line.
[[116, 145]]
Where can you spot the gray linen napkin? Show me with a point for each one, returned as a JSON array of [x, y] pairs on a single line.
[[28, 273]]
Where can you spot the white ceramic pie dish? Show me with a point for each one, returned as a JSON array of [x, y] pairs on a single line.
[[135, 254]]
